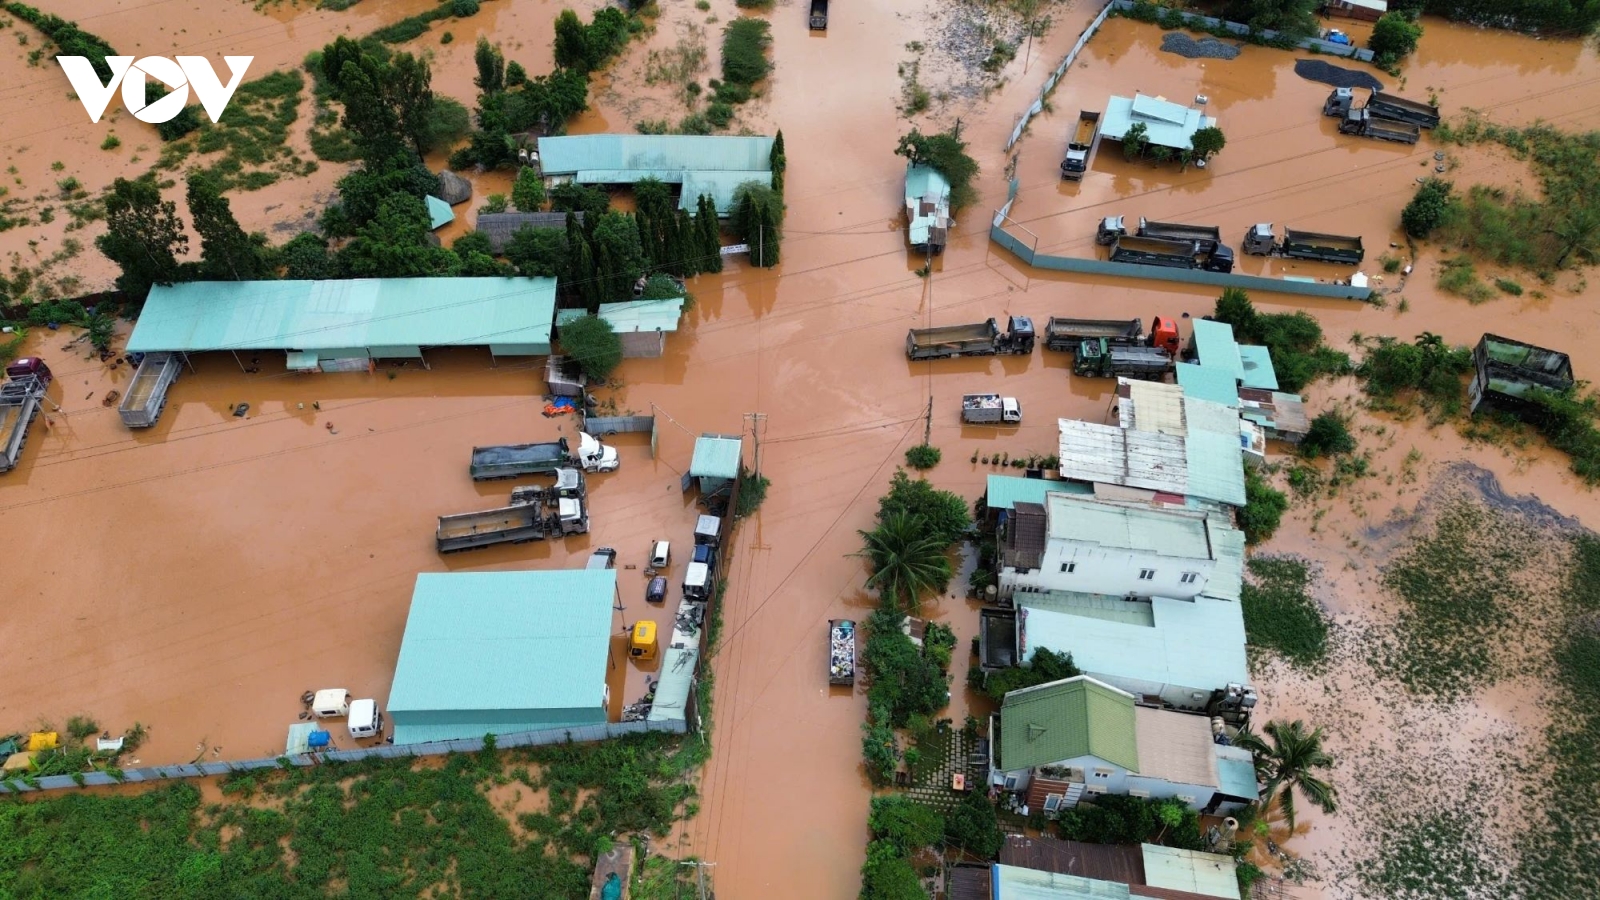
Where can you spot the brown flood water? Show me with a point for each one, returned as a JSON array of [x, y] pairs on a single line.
[[200, 576]]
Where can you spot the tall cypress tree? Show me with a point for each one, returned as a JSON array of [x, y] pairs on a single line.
[[588, 287], [226, 251], [710, 233], [779, 163], [684, 244]]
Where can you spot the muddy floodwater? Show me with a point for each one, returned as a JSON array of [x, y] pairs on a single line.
[[199, 576]]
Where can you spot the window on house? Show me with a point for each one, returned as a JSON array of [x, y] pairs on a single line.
[[1052, 802], [1069, 568], [1147, 574], [1011, 782], [1190, 577], [1138, 792], [1102, 773]]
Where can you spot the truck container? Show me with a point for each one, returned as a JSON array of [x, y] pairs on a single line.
[[697, 581], [1208, 237], [512, 460], [1335, 248], [1080, 149], [1067, 334], [515, 524], [819, 15], [841, 652], [1508, 374], [990, 409], [20, 399], [979, 339], [1099, 358], [1342, 101], [147, 392], [1363, 123], [1149, 251]]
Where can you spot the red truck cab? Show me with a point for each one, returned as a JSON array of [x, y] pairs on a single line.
[[30, 365]]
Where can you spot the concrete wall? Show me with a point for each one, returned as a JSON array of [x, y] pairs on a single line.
[[643, 344], [1100, 570]]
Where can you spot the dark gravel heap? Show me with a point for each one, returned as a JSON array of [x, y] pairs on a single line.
[[1204, 48], [1317, 70]]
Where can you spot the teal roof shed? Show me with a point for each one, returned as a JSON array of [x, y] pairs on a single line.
[[703, 164], [1208, 383], [502, 652], [1258, 370], [1006, 491], [1166, 123], [716, 457], [375, 317], [1215, 347], [439, 213]]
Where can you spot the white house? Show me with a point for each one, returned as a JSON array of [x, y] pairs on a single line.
[[1060, 742]]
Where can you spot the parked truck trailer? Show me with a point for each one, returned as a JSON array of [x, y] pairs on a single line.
[[978, 339], [1260, 240], [1208, 237], [1080, 149], [513, 460], [1393, 108], [1174, 254], [1067, 334], [1363, 123], [146, 398], [990, 409], [21, 395]]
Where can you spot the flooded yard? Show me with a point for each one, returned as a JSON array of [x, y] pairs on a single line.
[[199, 576]]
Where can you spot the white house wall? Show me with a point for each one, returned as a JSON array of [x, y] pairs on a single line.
[[1114, 572]]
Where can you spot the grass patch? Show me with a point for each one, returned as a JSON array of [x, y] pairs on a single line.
[[923, 456], [1427, 374], [1263, 509], [679, 64], [1438, 855], [1458, 276], [752, 492], [1507, 286], [1280, 615], [249, 147]]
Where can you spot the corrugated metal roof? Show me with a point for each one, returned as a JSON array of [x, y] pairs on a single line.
[[631, 316], [1172, 533], [1067, 719], [715, 457], [1105, 453], [1208, 383], [1284, 414], [439, 213], [1215, 347], [1196, 644], [501, 227], [719, 186], [1236, 772], [1227, 548], [1258, 370], [1004, 491], [677, 677], [968, 882], [1208, 874], [358, 313], [927, 205], [703, 164], [1011, 883], [487, 648], [1166, 123], [1175, 747], [1150, 406], [1105, 862]]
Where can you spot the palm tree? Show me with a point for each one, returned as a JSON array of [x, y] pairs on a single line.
[[907, 560], [1289, 763], [1578, 233]]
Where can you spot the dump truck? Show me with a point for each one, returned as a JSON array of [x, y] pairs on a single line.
[[513, 460], [515, 524], [1260, 240], [1507, 374], [1209, 237], [27, 379], [1080, 150], [1109, 229], [1383, 106], [1067, 334], [841, 652], [979, 339], [1150, 251], [146, 398], [819, 15], [990, 409], [1363, 123], [1099, 358]]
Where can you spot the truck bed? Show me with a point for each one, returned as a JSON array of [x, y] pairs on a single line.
[[1207, 236], [146, 394], [509, 460], [841, 652], [1066, 334], [1339, 243], [953, 334], [1083, 136], [981, 401], [490, 521], [1423, 114]]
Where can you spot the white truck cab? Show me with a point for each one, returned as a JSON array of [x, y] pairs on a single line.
[[331, 703], [697, 581], [1010, 410], [365, 719], [595, 456]]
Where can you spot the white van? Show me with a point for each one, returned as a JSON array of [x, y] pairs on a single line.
[[331, 703], [660, 555], [365, 719]]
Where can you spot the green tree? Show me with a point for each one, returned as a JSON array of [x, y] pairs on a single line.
[[1290, 762], [362, 190], [888, 875], [591, 342], [143, 236], [758, 212], [572, 42], [226, 251], [744, 51], [306, 257], [528, 190], [395, 244], [880, 750], [1294, 20], [973, 826], [907, 560], [386, 101], [447, 122], [661, 287], [1135, 141], [1579, 233], [516, 75], [548, 101], [618, 255], [1207, 142], [1235, 309], [1329, 435], [945, 513], [540, 252], [1045, 666], [905, 681], [779, 163], [571, 197], [491, 63], [902, 822], [708, 231], [946, 153], [1427, 209], [1264, 507], [1394, 36]]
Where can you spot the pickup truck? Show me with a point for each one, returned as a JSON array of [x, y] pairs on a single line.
[[1067, 334], [146, 398], [819, 15], [979, 339], [1335, 248], [990, 409], [20, 397], [1099, 358], [513, 460]]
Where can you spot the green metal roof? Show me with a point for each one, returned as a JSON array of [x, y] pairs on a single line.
[[715, 457], [1166, 123], [439, 213], [356, 313], [1236, 772], [496, 652], [1167, 532], [1196, 644], [1208, 383], [1067, 719], [703, 164], [1006, 491], [1258, 370], [1016, 883], [1208, 874], [631, 316], [1216, 348]]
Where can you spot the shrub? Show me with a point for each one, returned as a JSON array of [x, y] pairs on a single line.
[[591, 342], [973, 826], [462, 9], [1329, 436], [1393, 37], [1428, 366], [923, 456], [948, 154], [907, 825], [111, 142], [719, 114], [744, 51], [528, 191], [496, 203], [1263, 509], [1427, 208], [1045, 666]]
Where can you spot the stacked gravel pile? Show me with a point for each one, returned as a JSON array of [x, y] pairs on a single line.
[[1317, 70], [1204, 48]]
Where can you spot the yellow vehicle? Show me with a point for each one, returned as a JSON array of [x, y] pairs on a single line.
[[643, 643]]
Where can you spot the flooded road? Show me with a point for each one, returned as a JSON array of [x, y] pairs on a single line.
[[200, 576]]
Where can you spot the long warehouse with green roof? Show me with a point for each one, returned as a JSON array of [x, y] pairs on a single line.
[[340, 325]]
